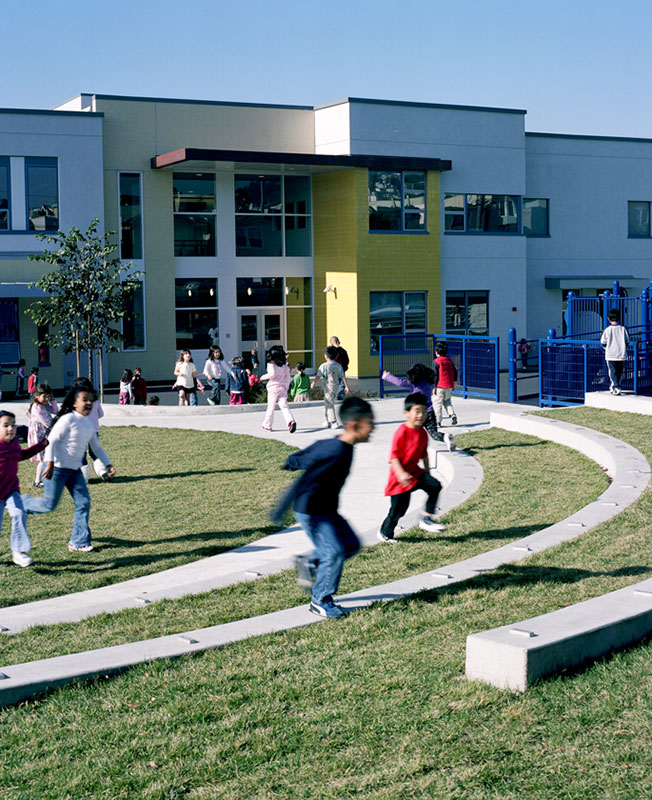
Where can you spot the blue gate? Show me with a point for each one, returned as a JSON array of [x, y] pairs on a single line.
[[476, 358]]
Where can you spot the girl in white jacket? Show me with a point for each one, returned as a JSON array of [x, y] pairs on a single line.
[[278, 378]]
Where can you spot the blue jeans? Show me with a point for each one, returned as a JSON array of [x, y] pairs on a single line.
[[19, 537], [214, 394], [334, 542], [615, 372], [73, 481]]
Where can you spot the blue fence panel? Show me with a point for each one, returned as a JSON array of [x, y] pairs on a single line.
[[476, 359]]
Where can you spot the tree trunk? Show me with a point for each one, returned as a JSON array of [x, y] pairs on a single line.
[[77, 354], [101, 371], [90, 366]]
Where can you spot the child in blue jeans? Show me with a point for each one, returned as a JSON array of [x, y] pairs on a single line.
[[71, 433], [315, 496]]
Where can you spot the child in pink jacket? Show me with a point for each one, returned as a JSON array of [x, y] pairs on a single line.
[[278, 383]]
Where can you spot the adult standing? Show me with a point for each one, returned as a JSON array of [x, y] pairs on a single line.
[[342, 358]]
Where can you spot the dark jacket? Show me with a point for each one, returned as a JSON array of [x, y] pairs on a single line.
[[237, 381]]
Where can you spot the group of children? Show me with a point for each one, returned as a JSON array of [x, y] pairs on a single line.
[[133, 388], [58, 440]]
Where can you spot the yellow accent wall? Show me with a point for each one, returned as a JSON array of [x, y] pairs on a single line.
[[357, 262]]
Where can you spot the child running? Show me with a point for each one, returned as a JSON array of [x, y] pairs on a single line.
[[445, 377], [10, 454], [421, 378], [316, 495], [278, 378], [237, 382], [41, 411], [71, 433], [185, 373], [409, 446], [300, 386], [332, 373]]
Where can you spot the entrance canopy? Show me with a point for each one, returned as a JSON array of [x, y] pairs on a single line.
[[201, 158]]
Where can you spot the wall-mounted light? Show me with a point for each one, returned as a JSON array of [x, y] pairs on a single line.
[[330, 288], [212, 292], [249, 290]]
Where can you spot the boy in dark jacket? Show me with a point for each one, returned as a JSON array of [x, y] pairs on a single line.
[[315, 496], [237, 383], [445, 377]]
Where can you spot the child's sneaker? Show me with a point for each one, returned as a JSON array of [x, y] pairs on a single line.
[[453, 420], [306, 569], [617, 390], [22, 559], [292, 426], [429, 524], [449, 441], [269, 430], [327, 608], [80, 548], [335, 425], [210, 402], [384, 538]]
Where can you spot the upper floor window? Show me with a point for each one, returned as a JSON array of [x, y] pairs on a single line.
[[272, 215], [131, 215], [194, 214], [467, 313], [42, 192], [535, 216], [638, 219], [397, 201], [481, 213], [4, 194]]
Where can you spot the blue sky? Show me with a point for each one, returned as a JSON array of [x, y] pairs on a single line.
[[577, 66]]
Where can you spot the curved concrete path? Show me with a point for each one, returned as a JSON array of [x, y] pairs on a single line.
[[621, 461]]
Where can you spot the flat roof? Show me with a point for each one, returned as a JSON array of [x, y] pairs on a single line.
[[254, 157], [130, 98], [371, 101], [586, 136], [51, 112]]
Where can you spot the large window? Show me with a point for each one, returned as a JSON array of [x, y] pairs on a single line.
[[131, 215], [535, 216], [196, 312], [397, 201], [42, 192], [481, 213], [467, 313], [5, 195], [272, 215], [396, 313], [133, 322], [194, 214], [638, 219]]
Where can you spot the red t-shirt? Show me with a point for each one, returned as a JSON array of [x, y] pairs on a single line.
[[409, 445]]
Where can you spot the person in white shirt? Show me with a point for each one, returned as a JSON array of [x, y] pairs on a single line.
[[185, 373], [615, 339], [71, 433], [213, 369]]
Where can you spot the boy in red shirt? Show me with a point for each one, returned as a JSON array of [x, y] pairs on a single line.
[[445, 377], [409, 446]]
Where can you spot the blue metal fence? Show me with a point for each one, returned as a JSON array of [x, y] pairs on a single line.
[[586, 317], [476, 358]]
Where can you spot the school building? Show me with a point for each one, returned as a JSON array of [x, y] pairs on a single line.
[[261, 224]]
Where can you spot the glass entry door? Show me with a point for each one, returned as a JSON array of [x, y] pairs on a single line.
[[258, 330]]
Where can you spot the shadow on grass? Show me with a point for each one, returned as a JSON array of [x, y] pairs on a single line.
[[477, 449], [513, 532], [133, 478]]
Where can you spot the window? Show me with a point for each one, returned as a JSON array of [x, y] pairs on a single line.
[[397, 201], [298, 316], [131, 215], [259, 292], [535, 216], [42, 191], [638, 219], [481, 213], [272, 215], [133, 322], [467, 313], [196, 312], [5, 196], [396, 313], [194, 214]]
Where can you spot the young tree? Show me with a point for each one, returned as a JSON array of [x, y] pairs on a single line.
[[88, 293]]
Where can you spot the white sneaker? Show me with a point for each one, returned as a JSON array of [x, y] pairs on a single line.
[[384, 538], [428, 524], [22, 559], [449, 441], [335, 426]]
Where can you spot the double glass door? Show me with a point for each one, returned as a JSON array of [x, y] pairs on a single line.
[[259, 329]]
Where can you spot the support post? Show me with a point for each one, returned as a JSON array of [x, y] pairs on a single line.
[[570, 314], [606, 306], [511, 364], [381, 368]]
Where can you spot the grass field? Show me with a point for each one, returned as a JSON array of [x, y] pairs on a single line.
[[374, 706]]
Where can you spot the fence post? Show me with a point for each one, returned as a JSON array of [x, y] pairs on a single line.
[[381, 368], [552, 335], [511, 364], [647, 318], [635, 367], [616, 289], [605, 307], [497, 369], [570, 314], [464, 366]]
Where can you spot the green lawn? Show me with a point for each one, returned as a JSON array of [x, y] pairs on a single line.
[[374, 706]]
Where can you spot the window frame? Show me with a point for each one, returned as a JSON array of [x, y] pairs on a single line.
[[212, 214], [649, 221], [43, 161], [142, 215], [5, 161], [403, 294], [466, 293], [464, 212], [123, 349], [215, 308], [403, 230]]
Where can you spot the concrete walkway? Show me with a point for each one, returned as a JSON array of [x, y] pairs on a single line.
[[362, 503]]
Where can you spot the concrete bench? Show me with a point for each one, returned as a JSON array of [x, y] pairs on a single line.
[[514, 656]]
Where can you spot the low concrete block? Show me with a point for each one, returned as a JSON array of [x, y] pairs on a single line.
[[514, 656]]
